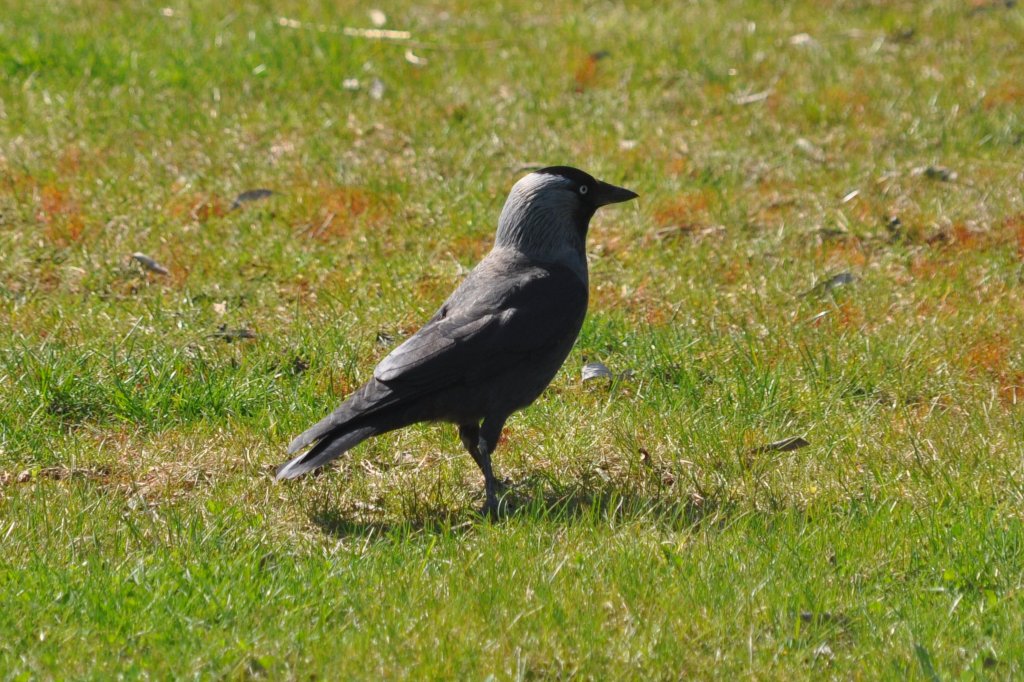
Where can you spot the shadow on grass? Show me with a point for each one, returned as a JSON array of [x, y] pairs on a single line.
[[537, 499]]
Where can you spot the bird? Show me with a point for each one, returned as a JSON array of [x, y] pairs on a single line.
[[495, 344]]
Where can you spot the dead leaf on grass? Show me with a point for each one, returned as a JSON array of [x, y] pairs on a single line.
[[299, 365], [938, 173], [249, 196], [784, 445], [832, 283], [586, 73], [149, 263], [596, 370], [230, 335]]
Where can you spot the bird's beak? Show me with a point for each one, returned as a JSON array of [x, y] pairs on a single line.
[[610, 194]]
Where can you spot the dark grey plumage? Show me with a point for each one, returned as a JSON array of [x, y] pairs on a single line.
[[497, 341]]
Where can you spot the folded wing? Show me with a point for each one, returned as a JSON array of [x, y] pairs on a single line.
[[487, 327], [494, 322]]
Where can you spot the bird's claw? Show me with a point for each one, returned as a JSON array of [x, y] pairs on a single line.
[[495, 506]]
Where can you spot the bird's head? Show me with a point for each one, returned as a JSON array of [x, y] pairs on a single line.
[[549, 211]]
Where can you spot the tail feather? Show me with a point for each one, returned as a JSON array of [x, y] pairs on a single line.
[[372, 398], [324, 451], [373, 409], [318, 430]]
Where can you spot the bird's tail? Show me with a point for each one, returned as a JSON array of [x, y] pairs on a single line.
[[331, 445], [370, 411]]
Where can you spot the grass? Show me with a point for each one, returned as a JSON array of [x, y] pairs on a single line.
[[652, 533]]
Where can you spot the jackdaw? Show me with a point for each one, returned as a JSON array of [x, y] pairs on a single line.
[[495, 344]]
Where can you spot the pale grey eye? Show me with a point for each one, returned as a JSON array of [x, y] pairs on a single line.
[[584, 189]]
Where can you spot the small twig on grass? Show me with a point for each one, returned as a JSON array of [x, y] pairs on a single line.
[[388, 35], [752, 97], [353, 32], [316, 232]]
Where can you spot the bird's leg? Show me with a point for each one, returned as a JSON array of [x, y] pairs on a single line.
[[480, 443], [470, 436], [490, 432]]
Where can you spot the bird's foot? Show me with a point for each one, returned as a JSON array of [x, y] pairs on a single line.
[[495, 506], [490, 511]]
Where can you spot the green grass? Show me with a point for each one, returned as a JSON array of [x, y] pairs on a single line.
[[650, 535]]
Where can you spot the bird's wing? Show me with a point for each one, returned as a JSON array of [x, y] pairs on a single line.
[[490, 324], [496, 319]]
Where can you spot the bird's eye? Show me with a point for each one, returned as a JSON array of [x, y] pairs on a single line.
[[584, 189]]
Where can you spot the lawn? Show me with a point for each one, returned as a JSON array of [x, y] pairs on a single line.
[[829, 247]]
